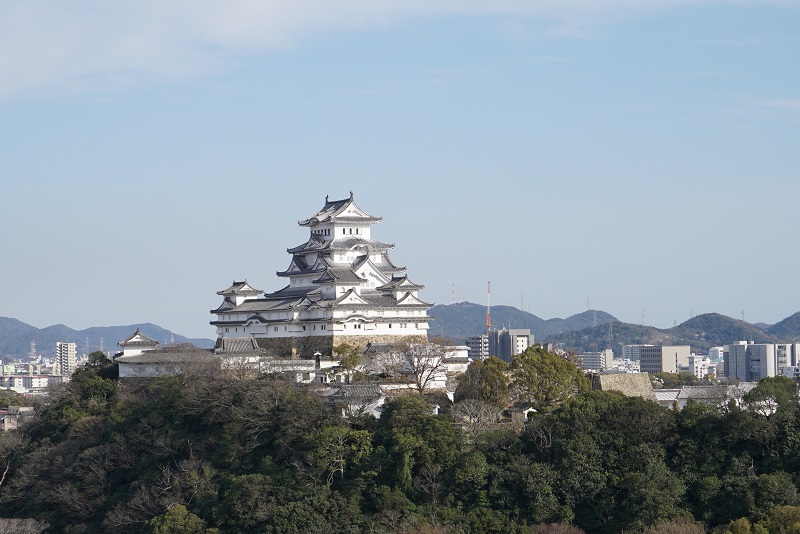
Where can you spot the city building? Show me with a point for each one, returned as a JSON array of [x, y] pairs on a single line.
[[751, 362], [503, 343], [632, 352], [27, 383], [10, 417], [478, 347], [700, 366], [342, 287], [597, 361], [65, 361], [663, 358], [716, 354]]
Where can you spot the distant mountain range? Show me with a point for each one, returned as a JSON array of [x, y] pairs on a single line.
[[591, 330], [464, 319], [596, 330], [16, 336]]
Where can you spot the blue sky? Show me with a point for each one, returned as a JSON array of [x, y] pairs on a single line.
[[642, 155]]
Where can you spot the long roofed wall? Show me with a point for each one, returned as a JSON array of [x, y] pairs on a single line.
[[341, 286]]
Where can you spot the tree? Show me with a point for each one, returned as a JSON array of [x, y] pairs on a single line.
[[350, 357], [678, 525], [22, 526], [334, 447], [104, 367], [545, 380], [11, 443], [178, 520], [772, 394], [782, 519], [413, 437], [475, 416], [485, 380], [674, 380], [424, 362]]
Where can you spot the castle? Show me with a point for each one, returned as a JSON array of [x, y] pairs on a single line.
[[342, 287]]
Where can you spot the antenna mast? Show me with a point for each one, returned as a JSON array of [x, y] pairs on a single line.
[[489, 307]]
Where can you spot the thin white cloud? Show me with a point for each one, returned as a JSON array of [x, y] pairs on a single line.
[[54, 46]]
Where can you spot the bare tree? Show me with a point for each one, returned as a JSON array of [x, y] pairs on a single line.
[[22, 526], [429, 481], [475, 416], [10, 442], [424, 363]]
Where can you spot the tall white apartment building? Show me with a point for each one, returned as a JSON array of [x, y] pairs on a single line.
[[66, 360]]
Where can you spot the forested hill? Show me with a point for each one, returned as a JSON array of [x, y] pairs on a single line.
[[210, 454], [701, 332], [788, 329], [464, 319], [16, 336]]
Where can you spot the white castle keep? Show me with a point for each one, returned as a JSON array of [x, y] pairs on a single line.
[[342, 287]]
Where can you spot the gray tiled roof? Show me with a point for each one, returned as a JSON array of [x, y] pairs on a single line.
[[226, 305], [332, 209], [315, 242], [351, 241], [360, 391], [238, 345], [387, 266], [137, 339], [344, 276], [666, 395], [240, 288], [703, 392], [400, 281]]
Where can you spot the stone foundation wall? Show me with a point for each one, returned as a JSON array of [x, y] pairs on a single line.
[[305, 347]]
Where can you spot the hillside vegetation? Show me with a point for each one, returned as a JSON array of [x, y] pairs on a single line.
[[788, 329], [198, 454]]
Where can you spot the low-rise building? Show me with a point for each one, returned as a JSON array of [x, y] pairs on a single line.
[[700, 366], [597, 361], [13, 415], [663, 358]]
